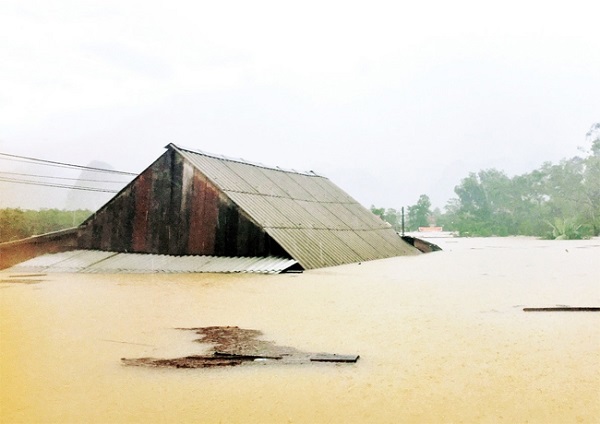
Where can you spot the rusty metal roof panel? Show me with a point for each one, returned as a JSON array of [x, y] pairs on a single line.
[[98, 262]]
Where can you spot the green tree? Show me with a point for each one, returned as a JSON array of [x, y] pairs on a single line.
[[380, 212], [390, 215], [530, 203], [13, 225], [559, 200], [16, 224], [418, 214], [472, 210], [556, 200], [591, 183]]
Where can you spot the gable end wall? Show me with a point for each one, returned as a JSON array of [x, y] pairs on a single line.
[[172, 208]]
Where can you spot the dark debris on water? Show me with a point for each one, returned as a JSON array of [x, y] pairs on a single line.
[[236, 346]]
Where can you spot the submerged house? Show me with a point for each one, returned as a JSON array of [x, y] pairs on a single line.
[[192, 203]]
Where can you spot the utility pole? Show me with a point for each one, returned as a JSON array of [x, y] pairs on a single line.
[[402, 221]]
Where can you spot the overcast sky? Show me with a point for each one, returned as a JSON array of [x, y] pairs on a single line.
[[388, 99]]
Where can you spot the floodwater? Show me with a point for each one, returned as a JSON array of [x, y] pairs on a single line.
[[441, 337]]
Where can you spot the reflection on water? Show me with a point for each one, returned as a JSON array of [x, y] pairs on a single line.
[[442, 338]]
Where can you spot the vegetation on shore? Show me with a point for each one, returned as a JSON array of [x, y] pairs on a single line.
[[16, 224], [555, 201]]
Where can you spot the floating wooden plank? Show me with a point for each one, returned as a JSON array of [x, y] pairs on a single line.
[[192, 361], [246, 357], [329, 357], [20, 281], [564, 309], [26, 275]]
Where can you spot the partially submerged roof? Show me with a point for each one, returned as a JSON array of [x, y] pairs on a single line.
[[194, 203], [312, 219], [100, 262]]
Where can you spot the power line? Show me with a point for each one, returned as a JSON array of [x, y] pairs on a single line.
[[38, 183], [28, 159], [63, 178]]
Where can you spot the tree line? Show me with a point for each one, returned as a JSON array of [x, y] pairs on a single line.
[[16, 223], [559, 200]]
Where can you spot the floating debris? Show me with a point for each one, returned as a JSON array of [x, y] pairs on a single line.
[[327, 357], [26, 275], [20, 281], [236, 346], [564, 309], [193, 361], [23, 279]]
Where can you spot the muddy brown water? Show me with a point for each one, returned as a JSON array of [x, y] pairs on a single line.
[[441, 337]]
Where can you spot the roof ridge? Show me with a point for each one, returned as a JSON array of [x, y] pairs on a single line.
[[241, 160]]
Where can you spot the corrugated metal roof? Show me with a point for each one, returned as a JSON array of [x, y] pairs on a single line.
[[71, 261], [315, 221], [94, 261]]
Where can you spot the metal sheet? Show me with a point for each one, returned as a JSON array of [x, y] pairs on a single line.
[[316, 248], [263, 210], [72, 261], [92, 261], [218, 172]]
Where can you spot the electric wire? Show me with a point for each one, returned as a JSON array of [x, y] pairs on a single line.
[[38, 183], [62, 178], [27, 159]]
